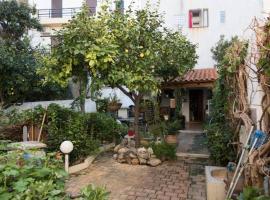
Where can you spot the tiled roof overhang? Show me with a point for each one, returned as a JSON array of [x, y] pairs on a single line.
[[196, 78]]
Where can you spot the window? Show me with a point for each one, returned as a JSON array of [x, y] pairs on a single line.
[[92, 5], [56, 10], [119, 5], [198, 18], [222, 16]]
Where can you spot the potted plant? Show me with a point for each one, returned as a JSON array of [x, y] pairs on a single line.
[[114, 104], [173, 128]]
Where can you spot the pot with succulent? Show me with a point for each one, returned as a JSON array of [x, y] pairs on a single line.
[[173, 128], [114, 104]]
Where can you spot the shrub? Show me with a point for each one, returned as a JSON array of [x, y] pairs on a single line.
[[91, 192], [86, 130], [251, 193], [218, 141], [174, 126], [158, 129], [33, 178], [164, 151]]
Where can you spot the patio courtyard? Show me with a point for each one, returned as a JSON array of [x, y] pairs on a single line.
[[182, 179]]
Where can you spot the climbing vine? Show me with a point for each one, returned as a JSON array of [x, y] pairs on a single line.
[[244, 72], [220, 130]]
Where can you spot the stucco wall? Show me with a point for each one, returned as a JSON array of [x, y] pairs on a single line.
[[238, 16]]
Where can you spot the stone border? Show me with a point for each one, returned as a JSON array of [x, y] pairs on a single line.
[[89, 160], [192, 155]]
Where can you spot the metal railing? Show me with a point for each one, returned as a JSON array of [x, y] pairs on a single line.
[[61, 13]]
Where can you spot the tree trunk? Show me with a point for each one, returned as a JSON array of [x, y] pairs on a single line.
[[136, 120], [1, 100], [83, 92]]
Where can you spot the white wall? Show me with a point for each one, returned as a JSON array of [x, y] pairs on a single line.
[[238, 16], [90, 106]]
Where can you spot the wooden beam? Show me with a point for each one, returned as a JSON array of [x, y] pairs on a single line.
[[190, 85]]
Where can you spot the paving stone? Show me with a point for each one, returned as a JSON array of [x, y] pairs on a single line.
[[177, 180]]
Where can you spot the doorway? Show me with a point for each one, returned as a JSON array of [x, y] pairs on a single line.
[[196, 105]]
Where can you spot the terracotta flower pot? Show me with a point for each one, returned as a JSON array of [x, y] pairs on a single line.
[[113, 107], [171, 139]]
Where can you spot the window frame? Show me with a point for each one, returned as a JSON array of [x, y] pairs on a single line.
[[203, 18]]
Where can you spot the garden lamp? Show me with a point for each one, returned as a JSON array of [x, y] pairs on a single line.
[[66, 147]]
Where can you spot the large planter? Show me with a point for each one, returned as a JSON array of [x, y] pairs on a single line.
[[114, 107], [171, 139]]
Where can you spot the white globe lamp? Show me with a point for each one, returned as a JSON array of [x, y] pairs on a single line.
[[66, 147]]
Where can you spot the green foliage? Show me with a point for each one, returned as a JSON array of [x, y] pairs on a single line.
[[164, 151], [158, 129], [102, 104], [18, 59], [34, 178], [86, 130], [65, 124], [221, 126], [16, 18], [91, 192], [218, 138], [174, 126], [263, 64], [251, 193], [132, 51]]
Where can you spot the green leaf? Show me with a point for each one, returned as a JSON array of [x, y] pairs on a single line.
[[20, 185], [6, 196]]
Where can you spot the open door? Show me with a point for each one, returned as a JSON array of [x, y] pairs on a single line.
[[196, 105]]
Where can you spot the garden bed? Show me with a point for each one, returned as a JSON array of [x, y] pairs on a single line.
[[89, 160]]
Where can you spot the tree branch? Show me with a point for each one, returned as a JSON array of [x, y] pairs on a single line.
[[126, 92]]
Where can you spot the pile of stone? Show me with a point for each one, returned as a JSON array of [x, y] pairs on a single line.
[[127, 153]]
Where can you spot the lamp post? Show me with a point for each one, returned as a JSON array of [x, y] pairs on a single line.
[[66, 147]]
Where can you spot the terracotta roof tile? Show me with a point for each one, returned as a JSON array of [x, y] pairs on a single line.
[[199, 75]]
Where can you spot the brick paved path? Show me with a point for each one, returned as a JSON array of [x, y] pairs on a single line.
[[182, 179]]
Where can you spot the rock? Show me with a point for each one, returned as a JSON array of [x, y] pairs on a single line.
[[123, 150], [143, 153], [117, 147], [154, 162], [150, 151], [115, 156], [142, 161], [133, 149], [121, 160], [132, 143], [132, 154], [124, 142], [121, 156], [135, 161], [128, 160]]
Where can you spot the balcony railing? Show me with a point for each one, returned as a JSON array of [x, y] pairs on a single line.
[[61, 13]]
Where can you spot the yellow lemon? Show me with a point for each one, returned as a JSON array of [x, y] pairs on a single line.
[[126, 50], [141, 55]]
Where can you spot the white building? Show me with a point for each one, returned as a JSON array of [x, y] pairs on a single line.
[[202, 21]]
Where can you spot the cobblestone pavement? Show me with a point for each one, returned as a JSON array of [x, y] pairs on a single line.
[[182, 179]]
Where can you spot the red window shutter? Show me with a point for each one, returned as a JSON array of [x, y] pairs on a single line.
[[190, 19]]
